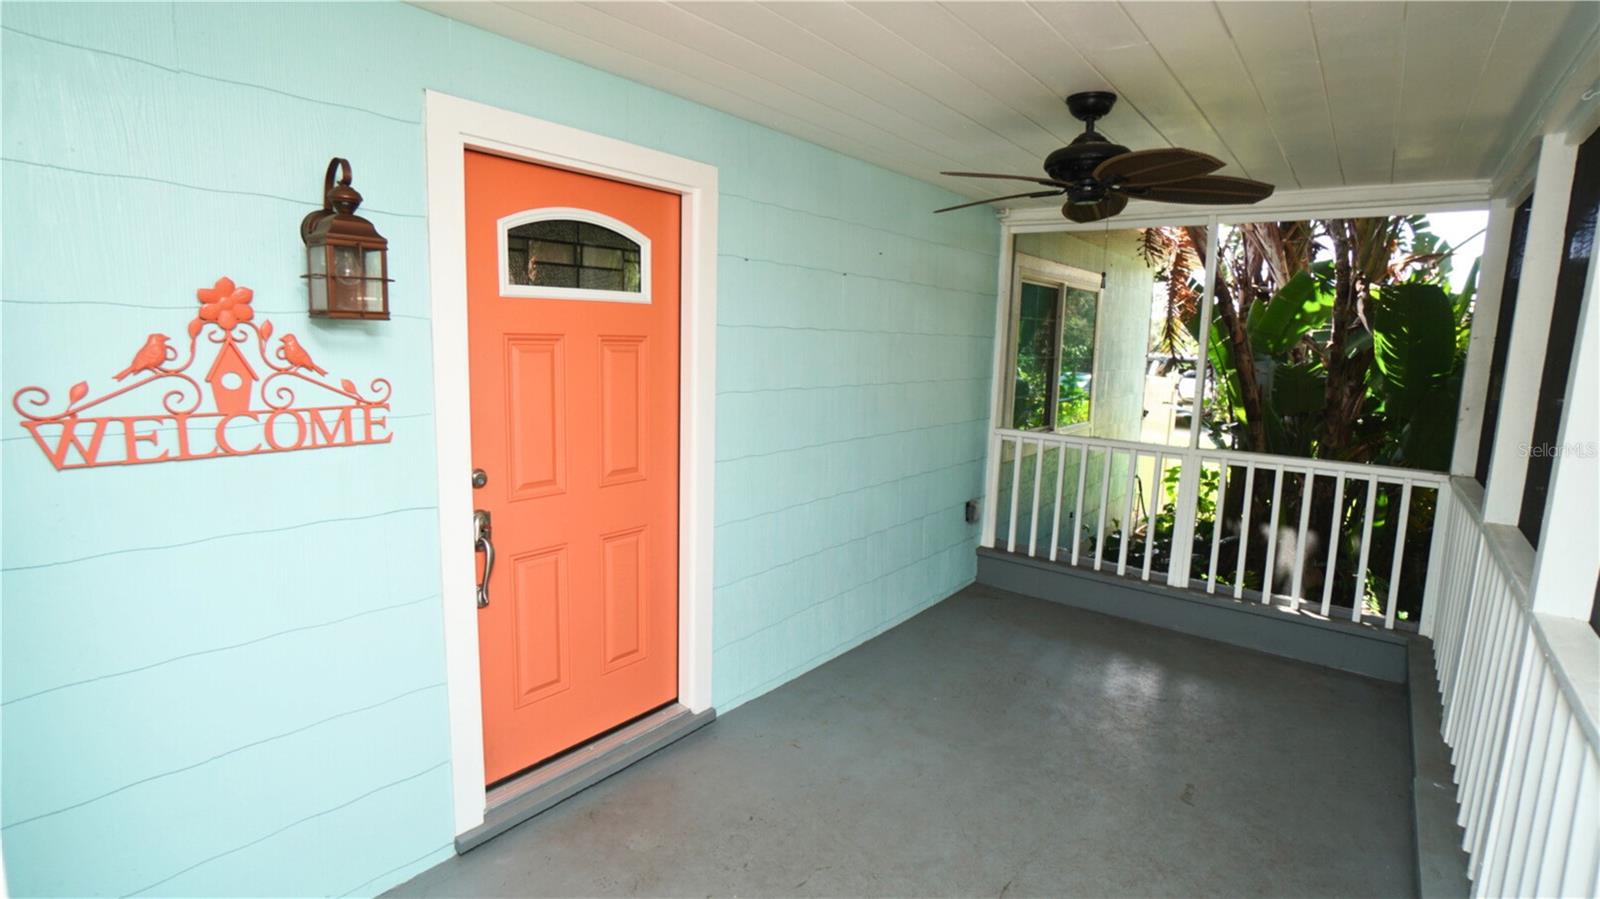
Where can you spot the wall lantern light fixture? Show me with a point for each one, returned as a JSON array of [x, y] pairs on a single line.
[[347, 264]]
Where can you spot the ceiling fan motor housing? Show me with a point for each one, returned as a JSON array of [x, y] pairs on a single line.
[[1075, 164]]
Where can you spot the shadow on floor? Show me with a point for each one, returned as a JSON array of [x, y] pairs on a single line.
[[997, 745]]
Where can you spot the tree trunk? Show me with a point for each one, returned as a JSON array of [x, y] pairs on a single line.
[[1345, 393]]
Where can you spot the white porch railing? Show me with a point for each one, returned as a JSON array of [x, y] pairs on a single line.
[[1098, 503], [1527, 760]]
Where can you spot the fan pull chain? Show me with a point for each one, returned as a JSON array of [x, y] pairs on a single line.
[[1105, 242]]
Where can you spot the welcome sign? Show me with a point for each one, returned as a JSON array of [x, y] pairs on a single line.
[[250, 402]]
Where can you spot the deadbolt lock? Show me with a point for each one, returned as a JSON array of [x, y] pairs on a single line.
[[479, 478]]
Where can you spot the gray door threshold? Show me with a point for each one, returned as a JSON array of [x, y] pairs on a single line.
[[517, 800]]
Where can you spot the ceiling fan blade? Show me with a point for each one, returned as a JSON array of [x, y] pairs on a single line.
[[1209, 190], [1041, 193], [1143, 168], [1034, 179], [1104, 208]]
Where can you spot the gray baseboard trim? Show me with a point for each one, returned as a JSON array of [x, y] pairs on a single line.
[[1441, 862], [537, 791], [1340, 645]]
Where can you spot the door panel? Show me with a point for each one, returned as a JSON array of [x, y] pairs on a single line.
[[625, 604], [540, 619], [622, 410], [575, 422], [535, 415]]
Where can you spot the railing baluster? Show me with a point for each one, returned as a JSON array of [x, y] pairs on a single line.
[[1267, 571], [1334, 539], [1244, 527], [991, 489], [1127, 514], [1180, 560], [1105, 496], [1300, 540], [1016, 487], [1077, 512], [1038, 477], [1507, 793], [1366, 548], [1399, 555], [1150, 518], [1443, 519], [1583, 836], [1216, 523], [1055, 516]]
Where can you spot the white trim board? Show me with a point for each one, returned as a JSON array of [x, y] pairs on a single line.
[[451, 126]]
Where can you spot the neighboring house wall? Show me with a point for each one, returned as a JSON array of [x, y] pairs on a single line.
[[225, 676], [1122, 325]]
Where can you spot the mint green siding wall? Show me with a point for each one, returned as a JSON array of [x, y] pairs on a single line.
[[226, 676]]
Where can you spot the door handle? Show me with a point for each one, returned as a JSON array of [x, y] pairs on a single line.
[[482, 543]]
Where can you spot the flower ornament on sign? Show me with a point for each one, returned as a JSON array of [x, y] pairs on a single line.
[[250, 411], [223, 303]]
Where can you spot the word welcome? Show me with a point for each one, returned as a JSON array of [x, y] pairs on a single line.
[[85, 442]]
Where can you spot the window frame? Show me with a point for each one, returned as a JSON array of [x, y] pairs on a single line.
[[1048, 273], [570, 213]]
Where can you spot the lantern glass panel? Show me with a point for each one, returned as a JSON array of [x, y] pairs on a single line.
[[317, 267], [372, 299]]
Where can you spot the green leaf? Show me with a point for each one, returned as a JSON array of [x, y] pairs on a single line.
[[1428, 437], [1413, 339], [1299, 307], [1224, 374], [1299, 389]]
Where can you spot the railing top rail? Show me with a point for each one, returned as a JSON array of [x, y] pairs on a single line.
[[1293, 463]]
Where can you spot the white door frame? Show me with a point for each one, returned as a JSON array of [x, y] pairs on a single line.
[[451, 126]]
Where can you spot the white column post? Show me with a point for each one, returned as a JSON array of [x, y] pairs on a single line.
[[997, 391], [1530, 329], [1568, 561], [1189, 475], [1480, 349]]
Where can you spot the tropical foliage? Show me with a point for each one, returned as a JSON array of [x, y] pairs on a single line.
[[1334, 339]]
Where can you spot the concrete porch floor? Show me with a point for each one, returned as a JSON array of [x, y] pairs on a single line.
[[997, 745]]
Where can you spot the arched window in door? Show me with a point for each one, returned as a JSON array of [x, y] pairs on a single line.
[[562, 253]]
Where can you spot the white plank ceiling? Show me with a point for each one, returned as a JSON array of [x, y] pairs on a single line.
[[1303, 95]]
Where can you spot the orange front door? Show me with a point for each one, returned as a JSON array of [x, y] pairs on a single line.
[[575, 425]]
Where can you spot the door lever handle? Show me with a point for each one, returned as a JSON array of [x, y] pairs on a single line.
[[482, 543]]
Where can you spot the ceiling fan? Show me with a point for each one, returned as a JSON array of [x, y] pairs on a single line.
[[1099, 177]]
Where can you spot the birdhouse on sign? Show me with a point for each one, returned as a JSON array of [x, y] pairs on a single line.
[[231, 379]]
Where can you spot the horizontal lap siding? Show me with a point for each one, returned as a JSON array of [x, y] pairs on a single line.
[[226, 676]]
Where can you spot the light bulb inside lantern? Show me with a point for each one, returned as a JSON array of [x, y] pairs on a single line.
[[346, 263]]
